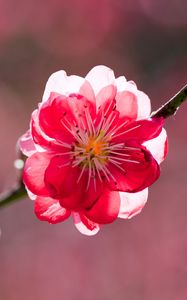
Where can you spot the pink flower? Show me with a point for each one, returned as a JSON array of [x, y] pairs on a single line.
[[92, 150]]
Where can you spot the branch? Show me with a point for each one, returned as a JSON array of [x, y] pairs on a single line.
[[18, 191], [13, 195], [171, 107]]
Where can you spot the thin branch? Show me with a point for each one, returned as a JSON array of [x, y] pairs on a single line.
[[15, 194], [18, 191], [171, 107]]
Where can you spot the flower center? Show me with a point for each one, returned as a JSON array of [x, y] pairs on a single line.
[[93, 150], [95, 145]]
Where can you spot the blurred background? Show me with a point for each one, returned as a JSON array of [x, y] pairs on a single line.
[[141, 259]]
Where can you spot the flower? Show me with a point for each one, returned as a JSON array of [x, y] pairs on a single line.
[[92, 149]]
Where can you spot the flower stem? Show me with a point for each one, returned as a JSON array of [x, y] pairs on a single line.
[[12, 195], [171, 107]]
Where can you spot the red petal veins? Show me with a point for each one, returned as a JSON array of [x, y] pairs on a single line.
[[49, 209], [136, 176], [141, 131], [106, 208], [62, 182], [33, 173]]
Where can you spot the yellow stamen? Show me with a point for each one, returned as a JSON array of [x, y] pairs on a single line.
[[94, 146]]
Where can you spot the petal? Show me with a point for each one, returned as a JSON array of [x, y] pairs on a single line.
[[141, 130], [26, 144], [136, 171], [100, 77], [84, 225], [60, 116], [131, 102], [127, 104], [107, 116], [82, 109], [62, 182], [132, 203], [106, 208], [41, 140], [79, 85], [106, 94], [49, 209], [57, 83], [158, 146], [33, 173], [93, 192], [30, 194], [62, 84], [52, 116], [120, 83], [126, 98], [144, 105]]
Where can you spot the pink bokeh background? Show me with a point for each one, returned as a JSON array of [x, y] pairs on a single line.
[[141, 259]]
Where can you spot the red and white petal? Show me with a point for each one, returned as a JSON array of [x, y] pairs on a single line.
[[106, 208], [42, 141], [59, 115], [126, 98], [131, 102], [26, 144], [78, 85], [57, 83], [52, 116], [33, 173], [158, 146], [127, 104], [50, 210], [84, 225], [80, 108], [100, 77], [106, 95], [131, 204], [30, 194]]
